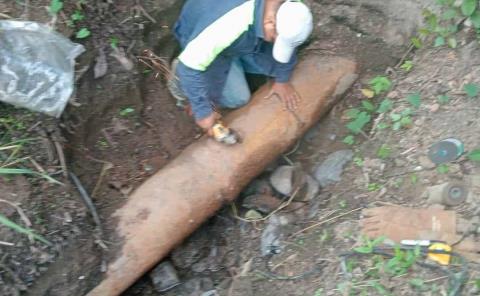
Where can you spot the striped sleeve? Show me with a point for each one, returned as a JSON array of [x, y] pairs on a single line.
[[202, 51]]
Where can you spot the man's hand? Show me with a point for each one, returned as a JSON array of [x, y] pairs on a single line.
[[208, 122], [286, 93]]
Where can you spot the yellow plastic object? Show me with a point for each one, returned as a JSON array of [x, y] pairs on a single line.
[[443, 259], [223, 134]]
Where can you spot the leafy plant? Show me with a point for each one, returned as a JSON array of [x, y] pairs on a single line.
[[402, 119], [385, 106], [83, 33], [407, 66], [417, 42], [367, 105], [349, 140], [369, 245], [77, 16], [126, 111], [474, 155], [114, 42], [359, 122], [358, 161], [380, 84], [414, 179], [55, 6], [384, 151], [468, 7], [373, 187], [471, 90], [402, 260], [415, 100], [443, 169]]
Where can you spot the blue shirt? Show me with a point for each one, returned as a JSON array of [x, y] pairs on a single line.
[[211, 34]]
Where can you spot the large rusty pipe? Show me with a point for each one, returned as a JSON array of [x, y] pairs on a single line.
[[175, 201]]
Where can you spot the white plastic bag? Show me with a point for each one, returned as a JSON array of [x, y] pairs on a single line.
[[36, 66]]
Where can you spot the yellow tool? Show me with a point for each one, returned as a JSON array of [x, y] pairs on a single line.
[[441, 258], [437, 251], [224, 135]]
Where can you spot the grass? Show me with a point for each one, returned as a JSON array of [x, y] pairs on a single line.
[[10, 157], [17, 228]]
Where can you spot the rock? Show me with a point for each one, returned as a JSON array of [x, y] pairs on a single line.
[[270, 241], [263, 203], [425, 162], [282, 179], [311, 187], [164, 277], [331, 169], [286, 178], [191, 251], [195, 287], [258, 186], [253, 215], [434, 107]]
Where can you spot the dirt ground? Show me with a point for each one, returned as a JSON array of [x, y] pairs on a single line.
[[123, 127]]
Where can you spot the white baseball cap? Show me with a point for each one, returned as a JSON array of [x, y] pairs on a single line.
[[294, 25]]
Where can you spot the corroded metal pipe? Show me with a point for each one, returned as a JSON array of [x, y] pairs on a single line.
[[170, 205]]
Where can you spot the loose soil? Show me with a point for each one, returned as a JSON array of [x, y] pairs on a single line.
[[123, 127]]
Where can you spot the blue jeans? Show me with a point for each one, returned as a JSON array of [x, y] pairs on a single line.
[[236, 92]]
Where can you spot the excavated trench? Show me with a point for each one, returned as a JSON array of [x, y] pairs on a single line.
[[114, 153]]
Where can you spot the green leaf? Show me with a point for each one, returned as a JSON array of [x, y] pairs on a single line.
[[443, 99], [126, 111], [474, 155], [380, 288], [449, 14], [55, 6], [439, 41], [452, 42], [83, 33], [468, 7], [373, 187], [406, 112], [384, 151], [407, 66], [368, 106], [414, 179], [406, 121], [380, 84], [352, 113], [475, 19], [357, 125], [415, 100], [395, 117], [10, 224], [396, 126], [385, 106], [349, 140], [417, 42], [114, 42], [77, 16], [12, 171], [443, 169], [471, 90], [364, 250], [382, 126]]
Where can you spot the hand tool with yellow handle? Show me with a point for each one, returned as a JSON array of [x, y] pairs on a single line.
[[224, 135], [437, 251]]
